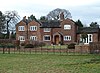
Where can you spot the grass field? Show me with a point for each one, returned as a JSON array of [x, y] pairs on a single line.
[[36, 63]]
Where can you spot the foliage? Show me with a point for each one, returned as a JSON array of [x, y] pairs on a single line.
[[79, 23], [71, 46], [84, 36], [13, 35], [2, 21], [32, 17], [12, 19], [29, 46], [17, 43], [55, 14], [43, 18], [10, 45], [94, 24]]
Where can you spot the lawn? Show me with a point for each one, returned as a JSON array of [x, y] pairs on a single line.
[[37, 63]]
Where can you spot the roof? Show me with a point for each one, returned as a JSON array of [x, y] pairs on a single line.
[[50, 24], [88, 30]]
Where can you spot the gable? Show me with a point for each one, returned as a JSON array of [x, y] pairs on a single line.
[[21, 23]]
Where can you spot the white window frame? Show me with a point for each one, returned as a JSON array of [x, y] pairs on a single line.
[[67, 27], [21, 28], [46, 36], [67, 38], [21, 38], [47, 29], [33, 28], [87, 39], [33, 38]]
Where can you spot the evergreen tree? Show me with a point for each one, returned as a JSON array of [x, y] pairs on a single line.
[[79, 23]]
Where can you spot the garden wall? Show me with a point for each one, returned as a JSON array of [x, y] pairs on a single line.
[[82, 48]]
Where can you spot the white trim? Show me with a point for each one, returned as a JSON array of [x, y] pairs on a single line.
[[67, 27], [67, 38], [47, 36], [88, 39], [47, 29], [33, 28], [33, 38], [21, 28], [21, 38]]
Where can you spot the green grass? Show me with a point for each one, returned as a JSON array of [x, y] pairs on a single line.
[[56, 46], [37, 63]]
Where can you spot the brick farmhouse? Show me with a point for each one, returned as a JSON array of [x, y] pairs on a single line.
[[63, 31]]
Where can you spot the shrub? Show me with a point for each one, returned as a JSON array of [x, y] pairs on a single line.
[[42, 44], [22, 44], [71, 46], [29, 46], [10, 45]]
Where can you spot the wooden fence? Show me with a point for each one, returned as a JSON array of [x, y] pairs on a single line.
[[40, 50], [95, 47]]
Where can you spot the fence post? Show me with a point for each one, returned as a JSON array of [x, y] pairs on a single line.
[[8, 50], [60, 49], [14, 50], [3, 50], [30, 50], [67, 49], [54, 49], [41, 49]]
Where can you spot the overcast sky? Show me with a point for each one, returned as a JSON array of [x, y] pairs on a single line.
[[85, 10]]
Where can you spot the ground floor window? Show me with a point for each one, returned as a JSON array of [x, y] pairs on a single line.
[[88, 39], [34, 38], [46, 38], [67, 38], [21, 38]]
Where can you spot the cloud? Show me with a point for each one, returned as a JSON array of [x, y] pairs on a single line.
[[86, 10]]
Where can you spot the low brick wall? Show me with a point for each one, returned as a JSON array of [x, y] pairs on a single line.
[[82, 48]]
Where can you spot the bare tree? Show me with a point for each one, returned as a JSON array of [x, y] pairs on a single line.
[[55, 14], [2, 21], [12, 19]]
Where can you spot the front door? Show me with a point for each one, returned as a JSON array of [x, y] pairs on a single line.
[[57, 39]]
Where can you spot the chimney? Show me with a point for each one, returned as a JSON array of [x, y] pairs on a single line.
[[24, 18], [62, 16]]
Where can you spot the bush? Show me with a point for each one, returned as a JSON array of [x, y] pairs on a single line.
[[29, 46], [38, 44], [71, 46], [22, 44], [10, 45]]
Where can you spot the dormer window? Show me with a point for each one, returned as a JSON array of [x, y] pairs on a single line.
[[47, 29], [21, 28], [33, 28], [67, 27]]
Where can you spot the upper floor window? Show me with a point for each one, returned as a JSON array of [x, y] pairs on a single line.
[[34, 38], [21, 28], [67, 38], [67, 27], [33, 28], [21, 38], [46, 38], [47, 29]]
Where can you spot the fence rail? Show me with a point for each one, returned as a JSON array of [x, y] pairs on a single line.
[[95, 47], [40, 50]]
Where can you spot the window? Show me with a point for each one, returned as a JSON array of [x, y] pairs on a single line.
[[67, 38], [67, 27], [47, 29], [33, 28], [46, 38], [90, 37], [21, 28], [21, 38], [34, 38]]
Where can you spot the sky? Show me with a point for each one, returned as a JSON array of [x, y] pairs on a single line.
[[86, 10]]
